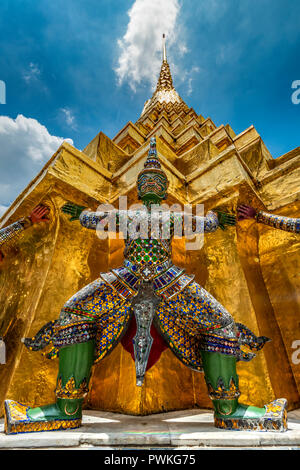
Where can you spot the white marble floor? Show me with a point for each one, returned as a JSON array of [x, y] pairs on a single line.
[[178, 429]]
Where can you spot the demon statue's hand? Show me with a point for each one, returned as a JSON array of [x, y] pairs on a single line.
[[73, 210], [225, 218], [39, 214], [246, 212]]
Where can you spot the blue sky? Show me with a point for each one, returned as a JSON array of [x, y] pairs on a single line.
[[75, 67]]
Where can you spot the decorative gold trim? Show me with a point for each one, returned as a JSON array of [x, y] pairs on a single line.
[[69, 390], [253, 424], [221, 393], [44, 426]]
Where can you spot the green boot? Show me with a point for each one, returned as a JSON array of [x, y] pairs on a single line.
[[75, 364], [222, 383]]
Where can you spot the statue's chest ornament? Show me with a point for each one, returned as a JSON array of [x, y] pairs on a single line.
[[148, 258]]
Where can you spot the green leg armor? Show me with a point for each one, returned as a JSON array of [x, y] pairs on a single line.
[[222, 383], [75, 363]]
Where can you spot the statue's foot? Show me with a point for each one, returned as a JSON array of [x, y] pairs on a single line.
[[21, 418], [273, 417]]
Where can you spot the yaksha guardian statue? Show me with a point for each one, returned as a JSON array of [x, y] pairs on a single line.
[[148, 304]]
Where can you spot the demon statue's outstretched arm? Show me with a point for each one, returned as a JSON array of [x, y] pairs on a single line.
[[277, 221], [92, 220], [212, 221], [39, 214]]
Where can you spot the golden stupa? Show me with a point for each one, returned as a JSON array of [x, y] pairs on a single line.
[[252, 269]]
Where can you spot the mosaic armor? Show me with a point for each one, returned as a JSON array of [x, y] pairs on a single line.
[[148, 304], [278, 221], [13, 231]]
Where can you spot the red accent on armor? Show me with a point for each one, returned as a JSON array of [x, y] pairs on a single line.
[[158, 345]]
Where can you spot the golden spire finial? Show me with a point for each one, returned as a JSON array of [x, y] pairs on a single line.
[[165, 91], [165, 78], [164, 48]]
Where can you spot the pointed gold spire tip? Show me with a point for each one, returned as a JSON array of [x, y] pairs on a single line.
[[164, 48], [165, 92]]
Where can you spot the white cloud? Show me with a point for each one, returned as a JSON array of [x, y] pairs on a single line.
[[25, 146], [141, 46], [69, 117]]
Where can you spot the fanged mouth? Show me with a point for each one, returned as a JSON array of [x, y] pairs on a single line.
[[151, 187]]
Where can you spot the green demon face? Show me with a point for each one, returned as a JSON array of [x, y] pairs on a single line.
[[152, 181], [152, 186]]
